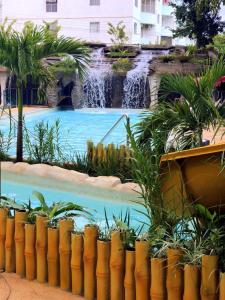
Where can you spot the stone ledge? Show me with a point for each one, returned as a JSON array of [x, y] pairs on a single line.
[[69, 176]]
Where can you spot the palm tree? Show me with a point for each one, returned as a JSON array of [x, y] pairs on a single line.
[[180, 124], [24, 54]]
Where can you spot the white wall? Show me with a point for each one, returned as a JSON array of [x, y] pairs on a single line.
[[74, 17]]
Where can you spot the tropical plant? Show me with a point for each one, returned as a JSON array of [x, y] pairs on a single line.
[[118, 35], [122, 65], [180, 124], [162, 224], [45, 145], [23, 53], [121, 223], [58, 210]]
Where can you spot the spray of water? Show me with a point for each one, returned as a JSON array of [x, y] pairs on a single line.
[[98, 81], [136, 81]]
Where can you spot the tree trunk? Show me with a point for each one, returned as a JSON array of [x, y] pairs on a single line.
[[19, 147]]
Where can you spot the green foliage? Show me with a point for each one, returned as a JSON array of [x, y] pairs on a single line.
[[44, 146], [58, 210], [6, 140], [122, 65], [121, 54], [118, 35], [197, 20], [121, 223], [103, 161], [179, 125], [66, 66], [167, 58], [191, 50], [219, 43]]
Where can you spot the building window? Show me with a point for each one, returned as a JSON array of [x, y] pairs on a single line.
[[94, 2], [148, 6], [135, 28], [136, 3], [94, 27], [51, 5]]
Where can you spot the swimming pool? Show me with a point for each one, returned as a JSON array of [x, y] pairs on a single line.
[[22, 192], [78, 126]]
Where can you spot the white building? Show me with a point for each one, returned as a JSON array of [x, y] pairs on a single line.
[[147, 21]]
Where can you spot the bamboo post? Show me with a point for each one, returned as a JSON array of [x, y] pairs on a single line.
[[174, 280], [30, 251], [191, 282], [129, 281], [222, 286], [158, 279], [210, 280], [20, 219], [90, 259], [53, 256], [10, 246], [117, 267], [142, 273], [41, 248], [3, 217], [103, 270], [65, 229], [77, 264]]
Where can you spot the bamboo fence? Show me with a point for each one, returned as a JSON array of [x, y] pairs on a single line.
[[104, 270]]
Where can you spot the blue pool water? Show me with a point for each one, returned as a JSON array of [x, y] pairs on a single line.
[[78, 126], [23, 192]]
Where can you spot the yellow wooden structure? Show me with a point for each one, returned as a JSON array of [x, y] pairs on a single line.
[[195, 175]]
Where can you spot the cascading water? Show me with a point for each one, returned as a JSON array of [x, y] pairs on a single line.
[[97, 84], [135, 84]]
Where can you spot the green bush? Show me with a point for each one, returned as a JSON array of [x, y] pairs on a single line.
[[167, 58], [122, 65]]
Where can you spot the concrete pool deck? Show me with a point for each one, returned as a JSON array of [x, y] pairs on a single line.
[[12, 287]]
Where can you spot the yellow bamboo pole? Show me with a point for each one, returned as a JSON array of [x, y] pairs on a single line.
[[20, 219], [129, 281], [117, 266], [65, 229], [210, 280], [77, 264], [191, 282], [222, 286], [41, 248], [30, 237], [158, 279], [90, 259], [3, 217], [142, 273], [10, 265], [103, 270], [53, 256], [174, 280]]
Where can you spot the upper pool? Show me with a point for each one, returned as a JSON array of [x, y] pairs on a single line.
[[78, 126]]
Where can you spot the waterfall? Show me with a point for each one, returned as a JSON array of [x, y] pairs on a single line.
[[97, 84], [135, 84]]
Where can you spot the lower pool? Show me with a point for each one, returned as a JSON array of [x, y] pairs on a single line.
[[22, 192], [78, 126]]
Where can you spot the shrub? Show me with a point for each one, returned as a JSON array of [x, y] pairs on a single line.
[[167, 58], [122, 65], [45, 147]]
